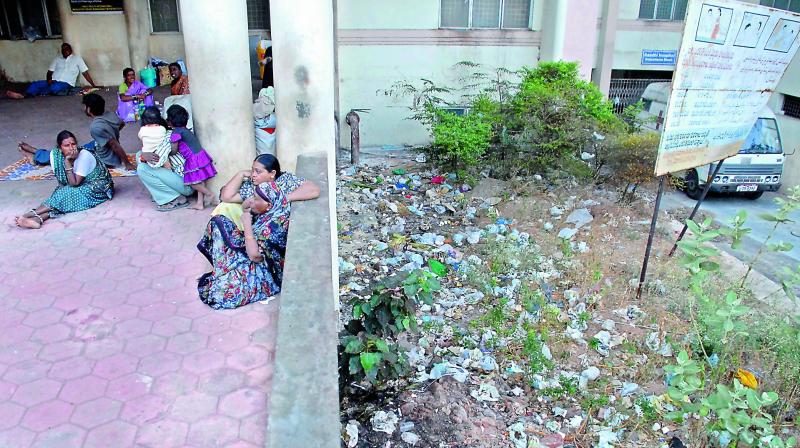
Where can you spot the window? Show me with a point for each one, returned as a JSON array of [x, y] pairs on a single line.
[[164, 16], [257, 14], [791, 106], [21, 19], [788, 5], [662, 9], [488, 14]]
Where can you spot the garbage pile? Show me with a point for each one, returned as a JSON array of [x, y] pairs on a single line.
[[467, 389]]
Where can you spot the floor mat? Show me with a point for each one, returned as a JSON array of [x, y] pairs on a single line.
[[23, 170]]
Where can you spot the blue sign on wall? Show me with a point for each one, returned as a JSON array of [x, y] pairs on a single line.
[[659, 57]]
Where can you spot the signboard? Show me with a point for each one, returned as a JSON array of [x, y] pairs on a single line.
[[732, 57], [96, 6], [659, 57]]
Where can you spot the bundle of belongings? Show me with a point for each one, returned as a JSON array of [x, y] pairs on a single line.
[[264, 121]]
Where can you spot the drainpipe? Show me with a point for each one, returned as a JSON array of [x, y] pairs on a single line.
[[353, 119]]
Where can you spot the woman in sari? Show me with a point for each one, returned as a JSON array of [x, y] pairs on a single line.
[[84, 183], [180, 82], [131, 93], [265, 168], [247, 263]]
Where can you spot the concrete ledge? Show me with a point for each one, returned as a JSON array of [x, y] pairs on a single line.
[[304, 403]]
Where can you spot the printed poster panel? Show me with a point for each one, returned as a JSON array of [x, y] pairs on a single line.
[[732, 57], [96, 6]]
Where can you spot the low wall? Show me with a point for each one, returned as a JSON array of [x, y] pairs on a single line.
[[304, 402]]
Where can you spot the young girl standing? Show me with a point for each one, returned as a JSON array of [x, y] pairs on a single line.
[[198, 167], [155, 139]]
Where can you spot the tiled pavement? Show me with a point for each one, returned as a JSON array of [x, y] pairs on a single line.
[[103, 341]]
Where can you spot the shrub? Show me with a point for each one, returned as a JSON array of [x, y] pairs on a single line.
[[631, 157], [460, 139], [368, 347]]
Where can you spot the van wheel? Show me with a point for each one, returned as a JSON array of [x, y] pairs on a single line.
[[753, 195], [692, 185]]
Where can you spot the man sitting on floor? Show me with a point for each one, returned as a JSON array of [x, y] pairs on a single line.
[[62, 74], [104, 130]]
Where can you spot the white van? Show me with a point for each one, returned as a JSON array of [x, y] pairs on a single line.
[[757, 168]]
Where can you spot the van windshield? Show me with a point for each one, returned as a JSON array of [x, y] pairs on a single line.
[[763, 138]]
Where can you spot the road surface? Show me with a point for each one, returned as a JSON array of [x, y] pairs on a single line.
[[724, 207]]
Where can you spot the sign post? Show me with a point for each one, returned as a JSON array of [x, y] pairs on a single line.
[[731, 58]]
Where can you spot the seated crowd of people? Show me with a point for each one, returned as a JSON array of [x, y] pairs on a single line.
[[245, 240]]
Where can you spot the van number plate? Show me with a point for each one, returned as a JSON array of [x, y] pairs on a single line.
[[747, 187]]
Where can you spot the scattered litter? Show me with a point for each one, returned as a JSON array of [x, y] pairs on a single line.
[[580, 217], [567, 233], [516, 433], [590, 374], [486, 392], [410, 438], [350, 435], [459, 373], [384, 422]]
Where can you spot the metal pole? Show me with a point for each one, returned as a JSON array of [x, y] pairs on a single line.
[[696, 207], [650, 237]]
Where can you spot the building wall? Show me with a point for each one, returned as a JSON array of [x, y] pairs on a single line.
[[28, 61], [366, 71], [381, 43], [167, 46]]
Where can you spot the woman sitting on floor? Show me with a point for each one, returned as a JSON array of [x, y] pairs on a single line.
[[84, 183], [246, 261], [130, 92], [265, 168]]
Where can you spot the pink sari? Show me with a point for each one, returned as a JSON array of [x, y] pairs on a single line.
[[126, 109]]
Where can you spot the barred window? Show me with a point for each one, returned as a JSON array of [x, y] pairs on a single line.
[[164, 16], [491, 14], [21, 19], [791, 106], [258, 14], [788, 5], [662, 9]]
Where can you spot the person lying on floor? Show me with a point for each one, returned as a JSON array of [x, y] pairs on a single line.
[[104, 129], [83, 183]]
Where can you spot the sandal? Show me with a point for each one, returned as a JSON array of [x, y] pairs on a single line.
[[172, 205]]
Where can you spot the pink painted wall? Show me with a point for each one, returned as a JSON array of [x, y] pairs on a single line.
[[580, 34]]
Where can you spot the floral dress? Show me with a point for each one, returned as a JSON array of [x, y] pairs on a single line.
[[235, 280]]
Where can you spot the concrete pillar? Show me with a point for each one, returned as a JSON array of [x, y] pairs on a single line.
[[303, 48], [137, 18], [554, 21], [215, 37], [67, 29], [605, 52]]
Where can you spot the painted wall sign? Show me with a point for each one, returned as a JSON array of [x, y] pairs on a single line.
[[659, 57], [96, 6], [732, 57]]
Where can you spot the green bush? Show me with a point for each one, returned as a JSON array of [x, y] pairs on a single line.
[[460, 139], [368, 348]]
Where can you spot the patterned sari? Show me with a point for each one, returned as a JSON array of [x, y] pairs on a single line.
[[235, 280], [96, 188]]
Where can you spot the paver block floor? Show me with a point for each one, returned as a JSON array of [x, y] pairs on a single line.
[[104, 340]]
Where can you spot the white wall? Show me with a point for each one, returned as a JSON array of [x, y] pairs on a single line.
[[366, 70]]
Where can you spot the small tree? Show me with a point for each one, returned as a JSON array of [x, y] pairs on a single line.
[[631, 158]]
